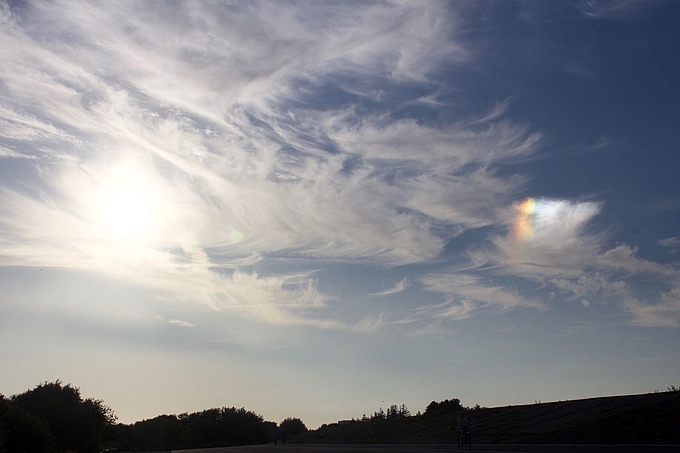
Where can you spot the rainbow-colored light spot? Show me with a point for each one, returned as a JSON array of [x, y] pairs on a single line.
[[523, 226]]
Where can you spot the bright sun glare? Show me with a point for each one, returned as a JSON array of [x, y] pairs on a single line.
[[125, 212]]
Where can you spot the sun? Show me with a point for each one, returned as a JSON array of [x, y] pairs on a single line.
[[125, 212]]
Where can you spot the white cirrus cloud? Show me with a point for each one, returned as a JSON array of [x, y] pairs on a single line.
[[612, 9], [549, 242], [218, 117], [466, 292], [663, 313], [670, 242], [179, 322], [205, 113], [546, 239], [673, 243], [400, 286]]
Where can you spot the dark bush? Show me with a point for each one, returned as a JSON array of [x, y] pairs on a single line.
[[292, 426]]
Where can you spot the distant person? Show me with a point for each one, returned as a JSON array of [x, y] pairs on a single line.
[[463, 424]]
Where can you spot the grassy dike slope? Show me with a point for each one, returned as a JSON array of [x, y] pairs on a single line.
[[636, 419]]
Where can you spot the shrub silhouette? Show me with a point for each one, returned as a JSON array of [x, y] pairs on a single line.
[[292, 426], [445, 407], [23, 431], [209, 428], [54, 417]]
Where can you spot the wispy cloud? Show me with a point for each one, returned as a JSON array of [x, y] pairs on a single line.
[[550, 243], [670, 242], [673, 243], [179, 322], [15, 126], [467, 292], [263, 132], [547, 238], [396, 289], [612, 9], [663, 313], [204, 113]]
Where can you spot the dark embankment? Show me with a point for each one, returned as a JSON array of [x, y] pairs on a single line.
[[637, 419]]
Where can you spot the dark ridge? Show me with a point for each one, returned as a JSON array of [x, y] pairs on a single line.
[[636, 419]]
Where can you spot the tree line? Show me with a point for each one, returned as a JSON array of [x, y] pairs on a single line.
[[433, 409], [393, 411], [217, 427], [54, 418]]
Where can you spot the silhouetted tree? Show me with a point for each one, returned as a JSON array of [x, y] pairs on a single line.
[[159, 433], [272, 431], [403, 411], [292, 426], [3, 409], [120, 436], [379, 415], [76, 424], [209, 428], [396, 411], [444, 407], [24, 432], [55, 418]]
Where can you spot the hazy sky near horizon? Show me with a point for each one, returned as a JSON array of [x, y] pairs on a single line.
[[317, 209]]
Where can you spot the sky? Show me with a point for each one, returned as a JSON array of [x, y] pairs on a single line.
[[318, 209]]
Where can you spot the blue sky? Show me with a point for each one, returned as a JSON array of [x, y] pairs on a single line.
[[316, 209]]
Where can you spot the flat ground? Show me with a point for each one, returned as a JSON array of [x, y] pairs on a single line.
[[439, 448]]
